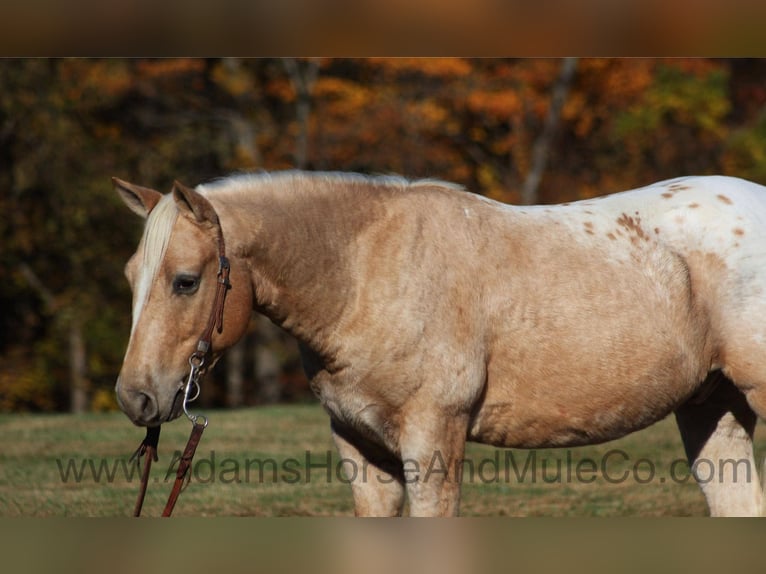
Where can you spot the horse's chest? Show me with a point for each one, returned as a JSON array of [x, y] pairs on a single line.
[[357, 407]]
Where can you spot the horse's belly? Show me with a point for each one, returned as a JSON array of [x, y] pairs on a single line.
[[559, 425], [583, 395], [578, 399]]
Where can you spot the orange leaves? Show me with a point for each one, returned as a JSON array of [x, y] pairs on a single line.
[[110, 78], [602, 87], [343, 93], [435, 67], [504, 104], [281, 89], [234, 79], [168, 67]]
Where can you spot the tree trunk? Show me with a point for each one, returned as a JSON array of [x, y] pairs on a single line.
[[78, 357], [77, 368], [235, 369], [241, 128], [303, 78], [267, 365], [542, 145]]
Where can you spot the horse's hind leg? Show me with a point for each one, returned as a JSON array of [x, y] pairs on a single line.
[[377, 480], [717, 432]]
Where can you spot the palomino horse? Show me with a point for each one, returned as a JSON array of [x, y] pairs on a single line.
[[428, 316]]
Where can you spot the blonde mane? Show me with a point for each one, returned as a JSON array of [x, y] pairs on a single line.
[[159, 226]]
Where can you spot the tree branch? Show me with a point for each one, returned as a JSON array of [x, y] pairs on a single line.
[[49, 299], [543, 143]]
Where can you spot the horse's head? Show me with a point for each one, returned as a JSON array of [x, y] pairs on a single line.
[[174, 276]]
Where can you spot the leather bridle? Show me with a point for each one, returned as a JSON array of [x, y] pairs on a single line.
[[191, 390]]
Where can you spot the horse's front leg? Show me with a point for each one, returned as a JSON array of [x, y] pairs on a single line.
[[376, 477], [432, 447]]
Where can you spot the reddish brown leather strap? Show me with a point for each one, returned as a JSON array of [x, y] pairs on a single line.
[[183, 467], [215, 320], [148, 449]]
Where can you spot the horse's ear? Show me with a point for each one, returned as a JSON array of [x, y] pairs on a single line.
[[140, 200], [191, 204]]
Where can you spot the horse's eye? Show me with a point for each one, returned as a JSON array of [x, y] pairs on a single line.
[[185, 284]]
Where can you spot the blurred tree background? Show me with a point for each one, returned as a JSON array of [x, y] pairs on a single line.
[[521, 131]]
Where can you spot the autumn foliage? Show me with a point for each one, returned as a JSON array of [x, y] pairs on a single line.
[[67, 126]]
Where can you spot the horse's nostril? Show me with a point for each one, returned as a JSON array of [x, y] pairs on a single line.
[[140, 406], [143, 401], [147, 405]]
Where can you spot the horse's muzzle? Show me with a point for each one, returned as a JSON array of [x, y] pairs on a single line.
[[145, 408], [140, 406]]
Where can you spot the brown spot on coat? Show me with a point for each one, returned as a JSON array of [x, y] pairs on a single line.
[[611, 235], [725, 199], [694, 205], [667, 195], [633, 224], [739, 231]]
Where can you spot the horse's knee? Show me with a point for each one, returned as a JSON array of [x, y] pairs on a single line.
[[375, 476], [433, 455], [383, 499]]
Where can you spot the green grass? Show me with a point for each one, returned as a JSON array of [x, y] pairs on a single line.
[[252, 462]]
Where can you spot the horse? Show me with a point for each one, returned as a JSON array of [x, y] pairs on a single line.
[[427, 316]]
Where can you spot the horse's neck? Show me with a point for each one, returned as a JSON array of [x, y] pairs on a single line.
[[297, 245]]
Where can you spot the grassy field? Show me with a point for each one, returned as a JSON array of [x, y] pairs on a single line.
[[280, 461]]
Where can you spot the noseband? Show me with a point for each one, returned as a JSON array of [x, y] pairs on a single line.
[[191, 390]]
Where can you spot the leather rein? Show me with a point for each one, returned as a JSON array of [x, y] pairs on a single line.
[[191, 390]]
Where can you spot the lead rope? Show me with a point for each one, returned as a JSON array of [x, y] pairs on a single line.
[[184, 464], [148, 447]]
